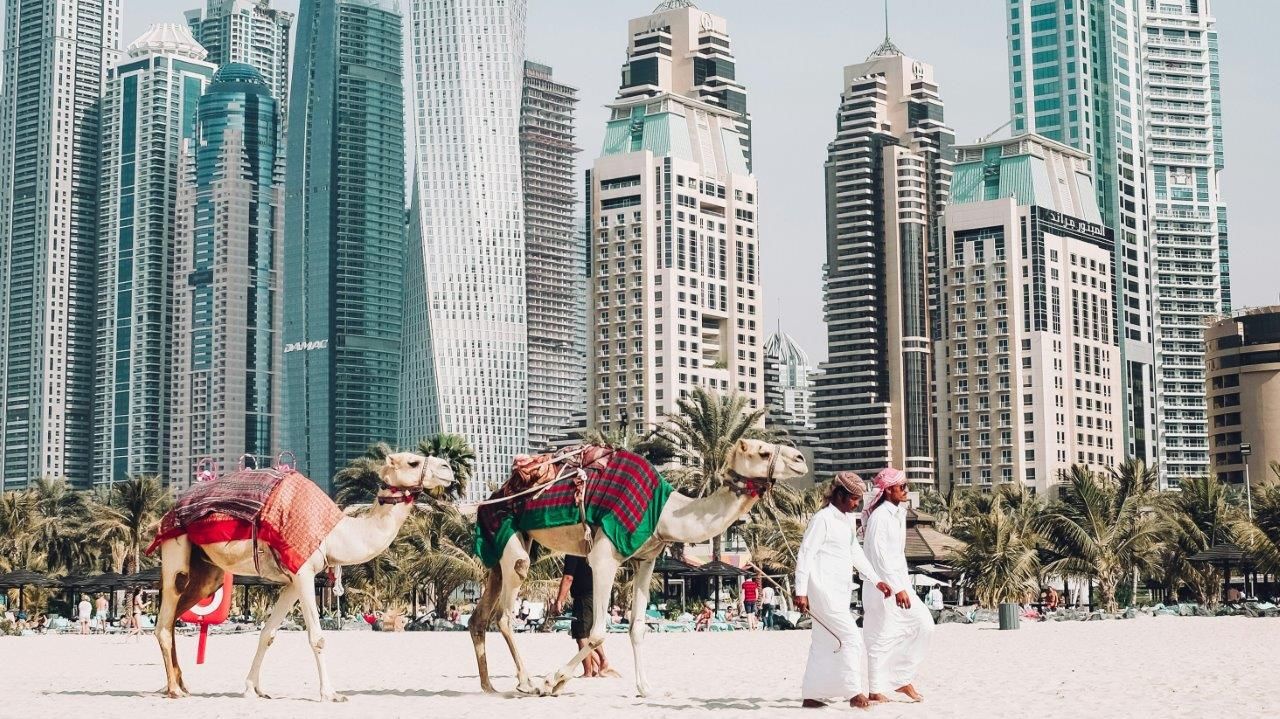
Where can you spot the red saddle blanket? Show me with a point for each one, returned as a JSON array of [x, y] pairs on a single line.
[[292, 514]]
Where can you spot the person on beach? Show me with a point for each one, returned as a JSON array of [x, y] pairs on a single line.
[[577, 584], [103, 614], [84, 614], [768, 603], [824, 585], [750, 593], [897, 630]]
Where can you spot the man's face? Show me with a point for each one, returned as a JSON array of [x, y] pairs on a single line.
[[845, 502], [897, 493]]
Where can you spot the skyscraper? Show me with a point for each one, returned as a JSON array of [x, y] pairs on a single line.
[[56, 57], [465, 343], [793, 387], [1135, 85], [344, 234], [675, 263], [227, 300], [553, 261], [1028, 360], [149, 112], [888, 172], [247, 31]]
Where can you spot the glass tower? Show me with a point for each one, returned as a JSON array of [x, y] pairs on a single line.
[[465, 342], [1134, 84], [148, 113], [226, 399], [344, 234], [56, 56], [888, 172]]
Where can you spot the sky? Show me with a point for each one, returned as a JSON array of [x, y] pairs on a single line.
[[790, 55]]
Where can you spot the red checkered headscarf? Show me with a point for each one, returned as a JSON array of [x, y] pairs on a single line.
[[888, 477]]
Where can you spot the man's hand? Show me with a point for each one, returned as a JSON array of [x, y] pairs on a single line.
[[802, 604], [884, 589], [903, 599], [554, 607]]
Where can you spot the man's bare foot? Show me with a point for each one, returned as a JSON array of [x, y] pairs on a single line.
[[876, 698], [911, 692], [608, 673], [812, 704], [860, 702]]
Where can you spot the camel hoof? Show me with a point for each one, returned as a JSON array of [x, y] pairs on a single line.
[[643, 690], [334, 697], [554, 685], [527, 688]]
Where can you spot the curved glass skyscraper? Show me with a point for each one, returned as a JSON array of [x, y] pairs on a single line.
[[227, 283], [344, 234], [464, 336]]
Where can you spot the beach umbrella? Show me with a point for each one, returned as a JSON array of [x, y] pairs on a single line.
[[21, 578], [1226, 555], [145, 578], [668, 565]]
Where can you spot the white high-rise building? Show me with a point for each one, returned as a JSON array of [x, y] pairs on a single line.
[[1134, 84], [554, 262], [465, 345], [675, 295], [148, 113], [1186, 218], [1028, 363], [56, 56], [247, 31]]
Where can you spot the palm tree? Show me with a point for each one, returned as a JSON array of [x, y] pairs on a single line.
[[1260, 537], [1102, 528], [20, 526], [704, 429], [1197, 517], [999, 561], [124, 517], [358, 482], [435, 551], [655, 448], [455, 449], [60, 539]]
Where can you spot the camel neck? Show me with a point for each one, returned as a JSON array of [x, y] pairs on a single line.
[[360, 538], [707, 517]]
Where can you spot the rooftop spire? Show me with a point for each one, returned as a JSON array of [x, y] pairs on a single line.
[[887, 48], [673, 5]]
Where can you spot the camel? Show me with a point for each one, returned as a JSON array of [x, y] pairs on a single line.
[[753, 467], [190, 572]]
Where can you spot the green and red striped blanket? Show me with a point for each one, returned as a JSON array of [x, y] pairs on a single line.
[[625, 499]]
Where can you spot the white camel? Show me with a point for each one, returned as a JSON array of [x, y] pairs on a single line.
[[753, 467], [190, 572]]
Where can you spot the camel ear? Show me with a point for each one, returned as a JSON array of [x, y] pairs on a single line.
[[744, 446]]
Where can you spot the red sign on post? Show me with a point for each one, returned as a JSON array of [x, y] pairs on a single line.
[[213, 609]]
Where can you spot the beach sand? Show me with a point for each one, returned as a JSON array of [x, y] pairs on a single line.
[[1147, 667]]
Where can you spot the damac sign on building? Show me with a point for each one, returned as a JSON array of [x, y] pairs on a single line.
[[306, 346]]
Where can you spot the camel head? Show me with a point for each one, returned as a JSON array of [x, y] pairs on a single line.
[[755, 465], [411, 472]]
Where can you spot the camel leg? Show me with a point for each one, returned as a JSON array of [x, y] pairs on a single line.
[[252, 683], [604, 569], [478, 625], [304, 583], [175, 557], [187, 576], [515, 569], [639, 607]]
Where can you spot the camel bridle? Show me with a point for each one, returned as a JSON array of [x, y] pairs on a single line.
[[402, 495], [756, 486]]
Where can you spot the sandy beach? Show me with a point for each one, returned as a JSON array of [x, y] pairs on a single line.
[[1164, 666]]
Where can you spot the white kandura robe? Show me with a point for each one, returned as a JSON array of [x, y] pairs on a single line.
[[897, 639], [828, 555]]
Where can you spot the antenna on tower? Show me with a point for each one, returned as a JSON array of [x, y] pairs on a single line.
[[887, 48]]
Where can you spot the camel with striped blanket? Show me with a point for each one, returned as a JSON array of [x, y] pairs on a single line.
[[753, 467]]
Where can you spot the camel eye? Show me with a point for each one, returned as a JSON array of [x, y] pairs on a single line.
[[414, 464], [766, 455]]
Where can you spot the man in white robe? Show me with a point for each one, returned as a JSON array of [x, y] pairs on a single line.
[[898, 629], [824, 585]]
